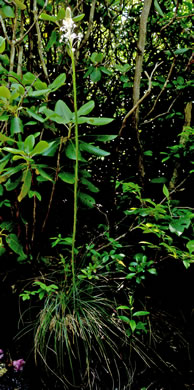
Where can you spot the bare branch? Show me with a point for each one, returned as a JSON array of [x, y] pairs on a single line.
[[141, 99]]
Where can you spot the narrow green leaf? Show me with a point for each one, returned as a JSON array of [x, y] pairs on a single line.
[[86, 108], [105, 70], [52, 40], [34, 115], [91, 187], [140, 313], [99, 121], [2, 44], [40, 92], [159, 180], [43, 175], [123, 308], [165, 191], [49, 18], [78, 18], [89, 148], [105, 138], [27, 179], [158, 9]]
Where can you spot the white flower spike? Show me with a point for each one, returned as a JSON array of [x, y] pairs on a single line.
[[67, 29]]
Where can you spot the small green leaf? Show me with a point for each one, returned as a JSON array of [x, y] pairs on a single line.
[[63, 110], [8, 11], [16, 126], [34, 115], [105, 138], [4, 92], [14, 244], [132, 325], [95, 75], [78, 18], [52, 40], [86, 108], [181, 50], [123, 308], [87, 199], [27, 179], [39, 148], [28, 78], [125, 319], [2, 46], [105, 70], [20, 4], [40, 92], [190, 246], [29, 143], [58, 82], [165, 191], [159, 180], [98, 121], [67, 177], [140, 313], [89, 148], [71, 152], [158, 9], [49, 18], [91, 187], [61, 14], [97, 57]]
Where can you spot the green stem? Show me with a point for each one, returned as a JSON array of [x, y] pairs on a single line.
[[76, 169]]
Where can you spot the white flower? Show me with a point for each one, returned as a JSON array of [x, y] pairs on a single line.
[[68, 27]]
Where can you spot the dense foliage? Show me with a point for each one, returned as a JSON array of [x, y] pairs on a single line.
[[95, 182]]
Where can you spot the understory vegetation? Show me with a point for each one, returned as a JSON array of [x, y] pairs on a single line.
[[96, 194]]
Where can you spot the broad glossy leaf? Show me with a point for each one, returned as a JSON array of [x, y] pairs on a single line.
[[28, 78], [89, 148], [87, 199], [8, 11], [52, 115], [14, 150], [132, 324], [58, 82], [71, 153], [29, 143], [39, 148], [27, 179], [5, 92], [61, 14], [2, 44], [67, 177], [86, 108], [16, 126], [63, 110], [4, 118]]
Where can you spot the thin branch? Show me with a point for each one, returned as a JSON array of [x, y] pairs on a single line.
[[40, 50], [164, 113], [4, 30], [141, 99], [163, 88]]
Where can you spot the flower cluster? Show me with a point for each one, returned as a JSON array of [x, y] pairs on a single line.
[[17, 365], [68, 28]]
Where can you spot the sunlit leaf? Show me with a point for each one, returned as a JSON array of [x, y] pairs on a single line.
[[27, 179], [86, 108], [2, 44], [39, 148], [5, 92]]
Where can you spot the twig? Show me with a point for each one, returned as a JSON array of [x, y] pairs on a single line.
[[141, 99], [163, 88], [164, 113]]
